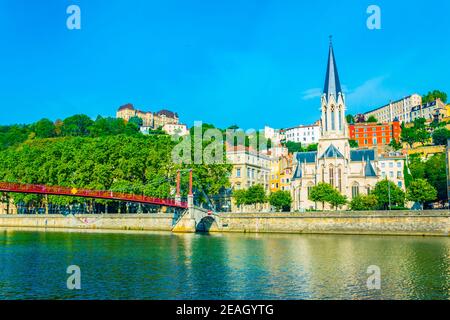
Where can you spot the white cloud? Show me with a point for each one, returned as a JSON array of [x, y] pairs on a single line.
[[311, 93]]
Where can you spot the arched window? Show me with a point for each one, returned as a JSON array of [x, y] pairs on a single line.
[[326, 120], [332, 176], [340, 179], [340, 119], [355, 190], [333, 122]]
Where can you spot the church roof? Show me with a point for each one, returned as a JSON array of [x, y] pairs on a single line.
[[362, 155], [308, 157], [297, 173], [332, 152], [369, 170], [332, 82]]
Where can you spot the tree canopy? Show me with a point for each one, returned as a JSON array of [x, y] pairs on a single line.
[[433, 95], [421, 191], [387, 193], [325, 193], [281, 200]]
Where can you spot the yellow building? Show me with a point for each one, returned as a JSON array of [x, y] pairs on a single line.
[[153, 120], [281, 174]]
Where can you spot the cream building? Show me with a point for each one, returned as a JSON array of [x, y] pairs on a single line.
[[152, 120], [249, 168], [400, 109], [352, 172]]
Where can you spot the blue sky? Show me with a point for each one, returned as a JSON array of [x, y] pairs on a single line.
[[245, 62]]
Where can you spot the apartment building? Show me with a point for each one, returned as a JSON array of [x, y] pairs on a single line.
[[249, 168], [400, 109], [369, 135], [391, 167], [305, 135]]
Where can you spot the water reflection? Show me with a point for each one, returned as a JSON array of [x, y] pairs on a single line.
[[223, 266]]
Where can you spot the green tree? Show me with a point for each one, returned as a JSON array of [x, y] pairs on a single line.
[[281, 200], [386, 190], [137, 121], [422, 135], [364, 202], [436, 175], [294, 147], [336, 199], [372, 119], [421, 191], [77, 125], [353, 144], [325, 193], [396, 145], [440, 136], [433, 95], [44, 128], [312, 147], [240, 197], [349, 119], [408, 135], [256, 195]]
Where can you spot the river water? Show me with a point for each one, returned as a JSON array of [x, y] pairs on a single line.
[[33, 265]]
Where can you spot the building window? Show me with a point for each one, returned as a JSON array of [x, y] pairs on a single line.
[[238, 173], [355, 191], [400, 184], [399, 164], [332, 177], [340, 179]]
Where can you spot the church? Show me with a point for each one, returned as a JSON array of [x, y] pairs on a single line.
[[352, 172]]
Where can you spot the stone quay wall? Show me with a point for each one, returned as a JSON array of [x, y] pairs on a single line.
[[429, 223], [422, 223], [143, 222]]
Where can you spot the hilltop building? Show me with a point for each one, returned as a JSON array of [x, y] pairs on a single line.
[[352, 172], [435, 110], [153, 120], [400, 109]]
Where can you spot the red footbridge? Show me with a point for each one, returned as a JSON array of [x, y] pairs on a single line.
[[85, 193]]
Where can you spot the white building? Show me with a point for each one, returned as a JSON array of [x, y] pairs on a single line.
[[305, 135], [275, 135], [176, 129], [400, 109]]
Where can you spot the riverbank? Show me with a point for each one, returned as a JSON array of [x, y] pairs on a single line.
[[423, 223]]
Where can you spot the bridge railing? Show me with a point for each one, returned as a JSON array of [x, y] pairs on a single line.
[[86, 193]]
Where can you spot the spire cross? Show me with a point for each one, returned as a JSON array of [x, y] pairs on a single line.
[[331, 40]]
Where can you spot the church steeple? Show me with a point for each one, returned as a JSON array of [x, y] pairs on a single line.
[[332, 82], [333, 101]]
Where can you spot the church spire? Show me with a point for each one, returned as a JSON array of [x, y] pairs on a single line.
[[332, 83]]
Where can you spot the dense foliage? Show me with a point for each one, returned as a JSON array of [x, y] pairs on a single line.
[[281, 200], [105, 154], [432, 170], [433, 95], [325, 193]]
